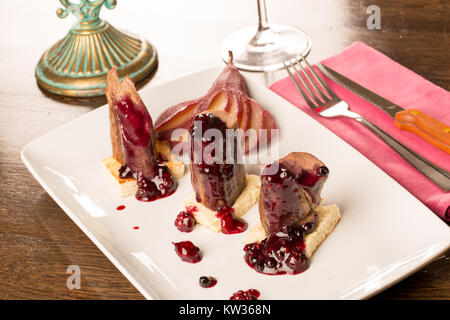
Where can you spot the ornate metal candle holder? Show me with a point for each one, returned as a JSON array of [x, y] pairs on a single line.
[[77, 65]]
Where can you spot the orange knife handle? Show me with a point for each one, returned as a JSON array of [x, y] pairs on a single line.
[[425, 126]]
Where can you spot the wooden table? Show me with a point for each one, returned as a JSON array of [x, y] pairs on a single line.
[[37, 239]]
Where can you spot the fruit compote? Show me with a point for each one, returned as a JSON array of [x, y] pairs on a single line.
[[281, 252], [229, 223], [141, 162], [280, 198], [250, 294], [284, 200], [185, 221], [290, 191], [187, 251], [312, 181], [285, 206], [217, 180]]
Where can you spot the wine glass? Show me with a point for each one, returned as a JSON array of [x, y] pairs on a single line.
[[267, 47]]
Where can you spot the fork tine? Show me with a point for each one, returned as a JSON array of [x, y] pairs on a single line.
[[318, 79], [299, 88], [323, 97], [313, 96]]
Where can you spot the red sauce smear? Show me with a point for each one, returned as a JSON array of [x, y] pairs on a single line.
[[250, 294], [229, 223], [213, 175], [121, 207], [185, 221], [280, 253], [141, 161], [187, 251]]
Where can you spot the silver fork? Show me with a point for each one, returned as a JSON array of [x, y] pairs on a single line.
[[322, 100]]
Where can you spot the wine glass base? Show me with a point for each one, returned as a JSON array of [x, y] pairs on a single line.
[[287, 43]]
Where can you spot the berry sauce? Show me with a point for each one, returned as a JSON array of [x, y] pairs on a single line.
[[281, 252], [280, 197], [185, 221], [250, 294], [160, 186], [141, 162], [287, 213], [120, 208], [207, 282], [284, 194], [218, 180], [187, 251], [312, 181], [230, 224]]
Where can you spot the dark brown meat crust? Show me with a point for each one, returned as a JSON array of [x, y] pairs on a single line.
[[116, 91]]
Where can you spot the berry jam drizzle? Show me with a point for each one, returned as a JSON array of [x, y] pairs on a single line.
[[153, 178], [187, 251], [280, 198], [312, 181], [284, 197], [250, 294], [160, 186], [281, 252], [218, 182], [120, 208], [230, 224], [185, 221], [207, 282], [289, 189]]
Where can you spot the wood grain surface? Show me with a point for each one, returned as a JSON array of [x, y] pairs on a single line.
[[37, 239]]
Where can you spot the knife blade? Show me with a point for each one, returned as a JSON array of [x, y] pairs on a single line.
[[413, 120]]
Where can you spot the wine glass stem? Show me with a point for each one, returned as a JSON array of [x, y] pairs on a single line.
[[263, 24]]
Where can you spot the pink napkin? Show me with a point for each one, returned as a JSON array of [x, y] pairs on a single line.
[[382, 75]]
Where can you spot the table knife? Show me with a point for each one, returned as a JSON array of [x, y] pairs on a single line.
[[413, 120]]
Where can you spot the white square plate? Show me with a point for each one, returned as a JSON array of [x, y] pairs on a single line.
[[385, 234]]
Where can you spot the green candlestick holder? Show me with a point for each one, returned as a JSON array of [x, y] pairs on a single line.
[[77, 65]]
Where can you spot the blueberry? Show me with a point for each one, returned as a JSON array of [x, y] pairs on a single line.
[[205, 282], [323, 171]]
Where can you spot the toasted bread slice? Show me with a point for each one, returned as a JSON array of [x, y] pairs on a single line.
[[247, 199], [128, 187], [329, 217]]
